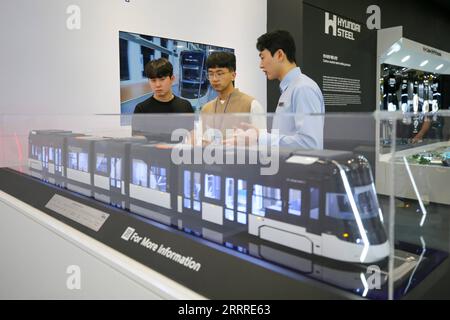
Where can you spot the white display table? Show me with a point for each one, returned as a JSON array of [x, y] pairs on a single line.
[[41, 258]]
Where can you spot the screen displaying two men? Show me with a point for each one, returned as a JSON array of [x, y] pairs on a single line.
[[189, 66]]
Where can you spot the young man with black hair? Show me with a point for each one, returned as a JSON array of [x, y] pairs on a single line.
[[221, 68], [161, 78], [300, 96]]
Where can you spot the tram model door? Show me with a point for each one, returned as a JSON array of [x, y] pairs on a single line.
[[115, 176], [236, 202], [192, 189]]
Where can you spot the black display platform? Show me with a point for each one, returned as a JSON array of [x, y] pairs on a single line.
[[218, 271]]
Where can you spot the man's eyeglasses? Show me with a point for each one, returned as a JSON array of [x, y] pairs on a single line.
[[218, 75]]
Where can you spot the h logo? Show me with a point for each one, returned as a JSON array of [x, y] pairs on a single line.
[[330, 23]]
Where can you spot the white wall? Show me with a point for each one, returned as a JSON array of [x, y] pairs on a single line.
[[45, 68]]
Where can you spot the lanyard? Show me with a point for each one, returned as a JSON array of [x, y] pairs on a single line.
[[226, 106]]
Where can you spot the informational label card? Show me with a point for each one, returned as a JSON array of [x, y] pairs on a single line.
[[80, 213]]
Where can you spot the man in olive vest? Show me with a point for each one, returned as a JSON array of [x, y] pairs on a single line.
[[221, 113]]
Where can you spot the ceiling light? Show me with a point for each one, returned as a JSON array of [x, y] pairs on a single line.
[[439, 67], [406, 59], [423, 64]]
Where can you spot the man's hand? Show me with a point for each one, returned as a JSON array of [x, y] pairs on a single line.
[[192, 140], [417, 138], [246, 134]]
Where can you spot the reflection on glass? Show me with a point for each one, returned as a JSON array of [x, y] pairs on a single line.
[[212, 186], [295, 202], [140, 173]]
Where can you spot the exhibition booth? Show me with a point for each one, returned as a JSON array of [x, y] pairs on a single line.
[[199, 206]]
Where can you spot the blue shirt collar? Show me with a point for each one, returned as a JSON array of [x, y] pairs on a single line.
[[290, 76]]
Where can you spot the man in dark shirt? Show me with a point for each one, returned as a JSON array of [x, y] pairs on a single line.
[[161, 78]]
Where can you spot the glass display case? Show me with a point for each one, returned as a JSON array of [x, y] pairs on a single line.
[[422, 164], [230, 214]]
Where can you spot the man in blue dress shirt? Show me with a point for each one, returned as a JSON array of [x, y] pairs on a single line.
[[299, 115]]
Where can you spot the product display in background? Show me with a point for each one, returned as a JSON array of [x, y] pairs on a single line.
[[440, 156], [408, 90], [419, 96]]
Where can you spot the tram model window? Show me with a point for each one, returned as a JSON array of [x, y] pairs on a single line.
[[158, 179], [83, 162], [314, 209], [45, 156], [73, 160], [242, 218], [229, 193], [50, 154], [366, 201], [58, 160], [116, 172], [338, 206], [229, 214], [140, 170], [212, 186], [187, 189], [242, 195], [242, 202], [195, 195], [229, 199], [101, 164], [197, 190], [295, 202], [265, 198]]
